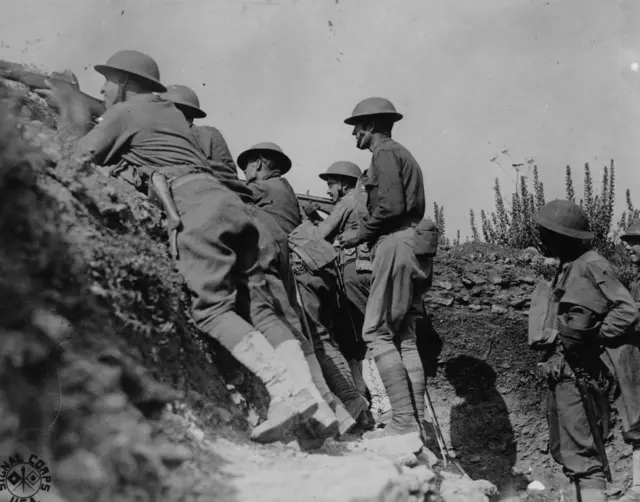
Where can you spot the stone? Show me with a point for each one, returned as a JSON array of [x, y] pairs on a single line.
[[518, 303], [528, 280], [173, 455], [496, 279], [498, 309], [476, 279], [196, 433], [446, 285], [81, 468], [535, 486], [467, 283]]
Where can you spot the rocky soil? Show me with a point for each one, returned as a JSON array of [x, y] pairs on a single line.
[[488, 394], [105, 378]]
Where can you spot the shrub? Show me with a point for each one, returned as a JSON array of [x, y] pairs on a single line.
[[511, 224]]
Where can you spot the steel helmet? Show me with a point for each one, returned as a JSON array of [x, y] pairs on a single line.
[[371, 107], [632, 231], [565, 218], [183, 96], [134, 63], [283, 163], [342, 168]]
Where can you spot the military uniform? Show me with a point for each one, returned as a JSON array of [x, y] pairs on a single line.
[[215, 147], [275, 195], [218, 242], [356, 282], [587, 316], [269, 307], [355, 266], [312, 261], [627, 373], [399, 278]]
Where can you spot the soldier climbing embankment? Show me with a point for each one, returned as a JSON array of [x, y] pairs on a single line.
[[147, 141]]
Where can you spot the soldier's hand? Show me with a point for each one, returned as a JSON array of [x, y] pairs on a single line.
[[349, 239], [67, 99]]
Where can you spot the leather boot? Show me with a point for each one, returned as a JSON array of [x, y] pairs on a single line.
[[290, 405]]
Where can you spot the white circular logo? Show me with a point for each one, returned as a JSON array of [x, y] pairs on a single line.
[[24, 478]]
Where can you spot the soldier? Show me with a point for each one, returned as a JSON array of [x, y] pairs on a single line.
[[342, 178], [402, 263], [270, 308], [209, 138], [213, 238], [264, 166], [313, 262], [582, 321], [631, 426]]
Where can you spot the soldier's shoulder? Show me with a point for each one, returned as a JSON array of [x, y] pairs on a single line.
[[399, 150], [595, 262], [207, 130]]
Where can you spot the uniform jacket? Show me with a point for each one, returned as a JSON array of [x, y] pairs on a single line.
[[395, 187], [617, 335], [143, 132], [347, 214], [275, 195], [222, 164]]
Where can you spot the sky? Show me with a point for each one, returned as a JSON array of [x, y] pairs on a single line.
[[550, 80]]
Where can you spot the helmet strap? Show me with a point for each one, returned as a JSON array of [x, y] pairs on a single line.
[[122, 89]]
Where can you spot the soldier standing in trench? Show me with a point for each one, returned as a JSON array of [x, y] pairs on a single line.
[[349, 197], [402, 264], [628, 403], [582, 321], [213, 238]]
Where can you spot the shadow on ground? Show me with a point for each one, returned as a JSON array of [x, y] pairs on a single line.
[[481, 432]]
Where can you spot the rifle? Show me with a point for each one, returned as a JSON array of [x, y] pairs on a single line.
[[17, 73]]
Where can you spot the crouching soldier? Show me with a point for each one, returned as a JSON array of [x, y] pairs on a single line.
[[213, 238], [582, 321], [270, 309], [208, 138], [264, 166], [629, 400]]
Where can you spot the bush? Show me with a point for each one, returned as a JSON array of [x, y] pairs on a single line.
[[511, 224]]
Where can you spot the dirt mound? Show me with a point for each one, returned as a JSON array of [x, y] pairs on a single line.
[[489, 396], [104, 377]]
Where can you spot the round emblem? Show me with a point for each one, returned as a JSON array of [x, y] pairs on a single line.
[[24, 478]]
